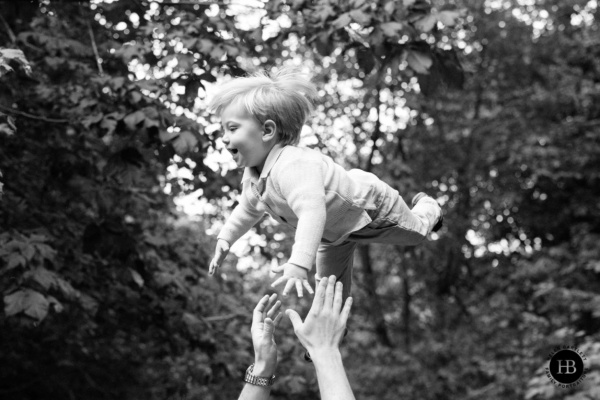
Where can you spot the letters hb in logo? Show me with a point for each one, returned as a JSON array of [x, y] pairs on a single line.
[[566, 366]]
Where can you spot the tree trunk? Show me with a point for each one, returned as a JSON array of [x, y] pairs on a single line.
[[374, 302], [406, 306]]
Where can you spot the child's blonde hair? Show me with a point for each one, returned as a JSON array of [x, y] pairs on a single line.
[[286, 97]]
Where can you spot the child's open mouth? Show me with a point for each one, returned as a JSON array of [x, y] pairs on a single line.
[[232, 151]]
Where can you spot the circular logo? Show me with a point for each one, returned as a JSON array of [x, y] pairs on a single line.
[[566, 367]]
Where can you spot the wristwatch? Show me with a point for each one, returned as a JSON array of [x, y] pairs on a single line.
[[257, 380]]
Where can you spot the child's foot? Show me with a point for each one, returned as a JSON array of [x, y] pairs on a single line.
[[440, 222]]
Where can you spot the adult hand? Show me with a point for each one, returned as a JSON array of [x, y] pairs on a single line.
[[221, 252], [324, 326], [321, 334], [295, 277], [265, 319]]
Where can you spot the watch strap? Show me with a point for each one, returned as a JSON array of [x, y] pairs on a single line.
[[258, 380]]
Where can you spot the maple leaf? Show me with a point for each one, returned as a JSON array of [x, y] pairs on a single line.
[[28, 301]]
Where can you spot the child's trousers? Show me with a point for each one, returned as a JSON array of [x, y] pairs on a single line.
[[393, 222]]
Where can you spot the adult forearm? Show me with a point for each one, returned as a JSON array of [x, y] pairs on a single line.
[[252, 392], [333, 382]]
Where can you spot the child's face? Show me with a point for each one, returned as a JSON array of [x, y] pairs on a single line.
[[243, 137]]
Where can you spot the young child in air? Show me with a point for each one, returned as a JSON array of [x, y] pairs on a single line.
[[331, 209]]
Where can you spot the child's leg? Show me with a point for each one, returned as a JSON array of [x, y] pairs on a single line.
[[394, 222], [337, 260], [426, 208]]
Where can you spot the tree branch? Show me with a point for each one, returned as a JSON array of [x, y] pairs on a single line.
[[200, 3], [95, 48], [376, 132], [11, 34], [31, 116], [225, 317]]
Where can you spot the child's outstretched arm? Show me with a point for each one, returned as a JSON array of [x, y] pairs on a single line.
[[302, 185], [243, 217]]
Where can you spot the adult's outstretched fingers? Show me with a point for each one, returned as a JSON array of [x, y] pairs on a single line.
[[277, 320], [329, 292], [273, 310], [269, 305], [346, 310], [294, 318], [319, 299], [257, 315], [337, 297]]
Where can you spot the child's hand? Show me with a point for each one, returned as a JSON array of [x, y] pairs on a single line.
[[220, 253], [294, 275]]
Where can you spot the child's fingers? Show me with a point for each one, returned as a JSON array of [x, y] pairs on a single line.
[[309, 289], [277, 269], [288, 286], [213, 267], [279, 281], [299, 287]]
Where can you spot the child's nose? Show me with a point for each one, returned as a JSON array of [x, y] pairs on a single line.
[[225, 138]]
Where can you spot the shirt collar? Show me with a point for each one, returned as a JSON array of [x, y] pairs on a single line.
[[252, 174]]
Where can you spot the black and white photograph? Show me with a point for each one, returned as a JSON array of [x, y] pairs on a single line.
[[299, 199]]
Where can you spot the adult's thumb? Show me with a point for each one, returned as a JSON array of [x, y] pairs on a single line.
[[294, 317]]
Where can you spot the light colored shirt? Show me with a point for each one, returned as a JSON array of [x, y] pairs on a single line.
[[307, 190]]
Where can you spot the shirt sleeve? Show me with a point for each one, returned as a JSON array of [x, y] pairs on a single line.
[[302, 185], [242, 218]]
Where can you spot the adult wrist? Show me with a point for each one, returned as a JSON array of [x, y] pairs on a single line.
[[325, 354], [264, 368]]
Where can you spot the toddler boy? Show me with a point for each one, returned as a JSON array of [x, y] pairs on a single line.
[[331, 209]]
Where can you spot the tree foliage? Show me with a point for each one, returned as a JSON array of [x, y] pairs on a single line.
[[490, 107]]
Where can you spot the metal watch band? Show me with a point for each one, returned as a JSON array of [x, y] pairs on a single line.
[[257, 380]]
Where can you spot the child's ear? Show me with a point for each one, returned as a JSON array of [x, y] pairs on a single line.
[[269, 130]]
